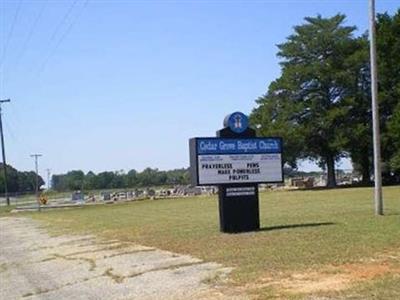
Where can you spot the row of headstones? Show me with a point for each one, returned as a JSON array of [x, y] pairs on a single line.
[[177, 191]]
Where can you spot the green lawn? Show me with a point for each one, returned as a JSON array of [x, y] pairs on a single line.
[[321, 232], [5, 210]]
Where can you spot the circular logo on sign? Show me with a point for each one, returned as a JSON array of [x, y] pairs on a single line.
[[237, 122]]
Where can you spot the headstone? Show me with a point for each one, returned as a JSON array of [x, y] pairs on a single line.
[[106, 196], [77, 196]]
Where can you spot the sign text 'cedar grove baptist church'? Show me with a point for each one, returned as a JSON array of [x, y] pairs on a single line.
[[237, 160]]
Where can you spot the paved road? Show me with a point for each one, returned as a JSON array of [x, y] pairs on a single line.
[[34, 265]]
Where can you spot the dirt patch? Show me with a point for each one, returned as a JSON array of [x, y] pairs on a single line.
[[358, 272], [331, 278], [315, 282]]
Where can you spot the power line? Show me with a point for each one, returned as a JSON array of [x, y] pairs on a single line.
[[63, 20], [10, 129], [10, 33], [2, 24], [30, 33], [63, 35], [54, 34], [12, 121]]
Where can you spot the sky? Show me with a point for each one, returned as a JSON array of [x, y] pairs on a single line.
[[120, 85]]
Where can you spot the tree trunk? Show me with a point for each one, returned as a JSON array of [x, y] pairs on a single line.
[[365, 166], [330, 164]]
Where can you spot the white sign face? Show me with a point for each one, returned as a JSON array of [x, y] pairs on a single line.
[[239, 168], [215, 161]]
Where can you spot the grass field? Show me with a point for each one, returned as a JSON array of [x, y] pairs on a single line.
[[325, 243]]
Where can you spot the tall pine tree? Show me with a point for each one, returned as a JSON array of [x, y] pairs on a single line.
[[309, 100]]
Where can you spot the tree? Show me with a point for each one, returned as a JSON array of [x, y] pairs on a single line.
[[75, 180], [274, 117], [19, 182], [90, 182], [131, 178], [307, 101], [178, 176], [27, 181], [359, 117], [12, 179], [118, 180], [104, 179], [148, 177], [394, 135], [388, 50]]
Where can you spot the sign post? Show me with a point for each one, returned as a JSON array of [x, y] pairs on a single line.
[[236, 161]]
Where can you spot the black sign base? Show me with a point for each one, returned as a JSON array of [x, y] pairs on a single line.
[[238, 208], [238, 203]]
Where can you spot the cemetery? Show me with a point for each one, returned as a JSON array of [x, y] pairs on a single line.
[[179, 150]]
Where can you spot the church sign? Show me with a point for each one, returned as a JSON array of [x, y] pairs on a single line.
[[217, 161], [236, 161]]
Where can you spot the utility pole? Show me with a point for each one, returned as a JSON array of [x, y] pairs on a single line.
[[3, 152], [36, 156], [48, 178], [375, 112]]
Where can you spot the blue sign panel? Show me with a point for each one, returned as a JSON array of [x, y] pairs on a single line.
[[237, 122], [238, 146]]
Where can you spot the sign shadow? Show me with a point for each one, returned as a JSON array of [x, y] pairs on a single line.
[[290, 226]]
